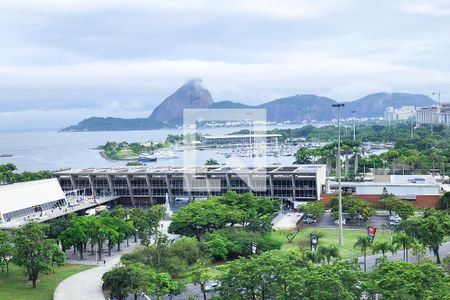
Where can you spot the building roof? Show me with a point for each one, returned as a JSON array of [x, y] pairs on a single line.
[[291, 169], [28, 194]]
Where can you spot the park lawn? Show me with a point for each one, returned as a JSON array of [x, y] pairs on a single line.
[[17, 287], [329, 236]]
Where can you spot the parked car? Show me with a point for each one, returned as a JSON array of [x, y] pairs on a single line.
[[211, 285], [309, 221], [343, 222]]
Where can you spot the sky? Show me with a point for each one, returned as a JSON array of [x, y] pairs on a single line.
[[65, 60]]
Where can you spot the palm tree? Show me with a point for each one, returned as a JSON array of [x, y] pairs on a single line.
[[211, 162], [405, 242], [314, 256], [363, 243], [328, 252], [382, 247]]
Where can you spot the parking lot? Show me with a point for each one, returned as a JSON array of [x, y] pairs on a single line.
[[328, 221]]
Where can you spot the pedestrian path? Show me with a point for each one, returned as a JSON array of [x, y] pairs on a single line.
[[87, 285]]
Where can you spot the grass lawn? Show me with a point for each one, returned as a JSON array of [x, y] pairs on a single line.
[[331, 236], [17, 287]]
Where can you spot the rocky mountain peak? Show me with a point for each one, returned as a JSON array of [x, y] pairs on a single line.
[[192, 94]]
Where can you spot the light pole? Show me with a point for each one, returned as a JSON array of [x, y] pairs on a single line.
[[338, 174], [354, 125]]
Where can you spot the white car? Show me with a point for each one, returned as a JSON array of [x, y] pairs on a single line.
[[211, 285], [337, 222]]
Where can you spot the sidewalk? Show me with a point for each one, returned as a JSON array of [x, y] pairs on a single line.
[[87, 285]]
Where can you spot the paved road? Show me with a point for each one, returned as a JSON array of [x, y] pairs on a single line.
[[371, 259]]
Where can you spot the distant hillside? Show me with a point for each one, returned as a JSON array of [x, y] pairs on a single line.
[[296, 108], [191, 95], [299, 108], [373, 105], [116, 124], [229, 104]]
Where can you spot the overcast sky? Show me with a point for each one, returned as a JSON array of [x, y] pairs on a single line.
[[64, 60]]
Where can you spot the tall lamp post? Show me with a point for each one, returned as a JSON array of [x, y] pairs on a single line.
[[354, 125], [338, 174]]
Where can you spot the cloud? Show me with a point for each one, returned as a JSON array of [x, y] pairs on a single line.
[[437, 8]]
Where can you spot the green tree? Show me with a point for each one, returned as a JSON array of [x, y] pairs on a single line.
[[32, 250], [444, 200], [200, 274], [404, 241], [6, 250], [330, 251], [217, 246], [75, 235], [382, 247], [402, 280], [314, 208], [418, 250], [164, 285], [211, 162], [363, 243], [432, 231], [186, 248], [125, 280]]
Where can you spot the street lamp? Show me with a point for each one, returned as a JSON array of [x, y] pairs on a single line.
[[338, 173], [354, 125]]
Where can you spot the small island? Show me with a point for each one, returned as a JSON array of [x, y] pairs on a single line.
[[129, 151], [134, 152]]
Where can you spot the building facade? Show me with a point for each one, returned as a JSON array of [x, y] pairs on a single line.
[[399, 114], [435, 114], [156, 184]]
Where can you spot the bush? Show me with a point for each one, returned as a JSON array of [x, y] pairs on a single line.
[[235, 242]]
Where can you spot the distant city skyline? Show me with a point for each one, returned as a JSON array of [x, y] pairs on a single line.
[[62, 61]]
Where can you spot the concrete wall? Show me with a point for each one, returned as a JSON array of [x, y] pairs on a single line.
[[421, 200]]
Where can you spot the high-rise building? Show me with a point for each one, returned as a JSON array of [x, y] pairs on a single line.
[[399, 114], [435, 114]]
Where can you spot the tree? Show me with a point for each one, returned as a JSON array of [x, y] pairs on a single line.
[[164, 284], [363, 243], [355, 207], [200, 274], [418, 250], [405, 242], [217, 246], [444, 201], [393, 204], [186, 248], [432, 231], [330, 251], [125, 280], [6, 250], [32, 250], [382, 247], [211, 162], [303, 156], [291, 233], [314, 208], [58, 257], [402, 280], [75, 235]]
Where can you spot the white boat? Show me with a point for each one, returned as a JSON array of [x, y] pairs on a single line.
[[146, 157]]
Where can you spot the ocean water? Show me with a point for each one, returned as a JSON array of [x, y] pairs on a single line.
[[52, 150]]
